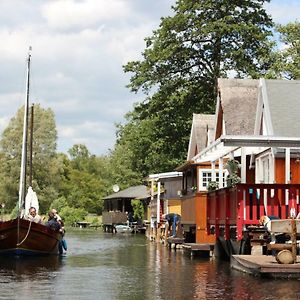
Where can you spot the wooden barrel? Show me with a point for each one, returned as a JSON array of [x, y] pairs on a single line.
[[285, 257]]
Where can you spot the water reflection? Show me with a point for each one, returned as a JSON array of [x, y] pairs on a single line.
[[106, 266], [30, 266], [25, 277]]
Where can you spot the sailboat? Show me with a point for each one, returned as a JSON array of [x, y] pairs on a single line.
[[20, 236]]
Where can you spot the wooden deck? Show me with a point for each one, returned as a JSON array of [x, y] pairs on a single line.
[[263, 265], [83, 224], [203, 250], [174, 241]]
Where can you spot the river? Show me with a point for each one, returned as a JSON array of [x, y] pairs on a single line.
[[104, 266]]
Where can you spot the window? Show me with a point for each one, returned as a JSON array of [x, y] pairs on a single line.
[[205, 176]]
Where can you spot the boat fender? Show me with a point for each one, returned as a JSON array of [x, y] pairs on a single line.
[[60, 247], [64, 244]]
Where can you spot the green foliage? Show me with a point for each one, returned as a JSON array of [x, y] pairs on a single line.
[[71, 215], [232, 166], [45, 166], [14, 212], [212, 186], [84, 190], [233, 178], [138, 209], [59, 204], [287, 59], [201, 42], [95, 221], [86, 179], [183, 59]]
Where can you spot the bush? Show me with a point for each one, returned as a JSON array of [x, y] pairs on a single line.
[[14, 212], [71, 215], [59, 204], [138, 209]]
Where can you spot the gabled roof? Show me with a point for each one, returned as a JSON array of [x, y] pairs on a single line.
[[133, 192], [202, 132], [236, 106], [276, 117], [281, 105]]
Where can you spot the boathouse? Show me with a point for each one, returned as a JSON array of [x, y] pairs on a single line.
[[117, 206], [256, 133], [193, 194], [165, 190], [243, 162]]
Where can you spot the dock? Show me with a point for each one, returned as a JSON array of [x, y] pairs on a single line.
[[265, 265], [174, 241], [83, 224], [201, 250]]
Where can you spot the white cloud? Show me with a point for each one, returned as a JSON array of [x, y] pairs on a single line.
[[79, 48], [68, 14], [95, 135]]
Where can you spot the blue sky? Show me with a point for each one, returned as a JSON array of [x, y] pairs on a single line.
[[79, 47]]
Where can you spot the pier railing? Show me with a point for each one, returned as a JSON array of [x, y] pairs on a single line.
[[244, 204]]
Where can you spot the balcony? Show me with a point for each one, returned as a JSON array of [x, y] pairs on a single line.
[[243, 205]]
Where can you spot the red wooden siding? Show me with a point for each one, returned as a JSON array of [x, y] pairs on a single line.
[[243, 205]]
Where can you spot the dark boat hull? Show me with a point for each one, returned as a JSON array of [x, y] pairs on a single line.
[[22, 237]]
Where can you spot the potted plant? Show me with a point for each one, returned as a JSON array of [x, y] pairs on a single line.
[[232, 166], [194, 188], [212, 186]]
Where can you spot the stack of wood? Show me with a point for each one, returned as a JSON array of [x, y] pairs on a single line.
[[287, 252]]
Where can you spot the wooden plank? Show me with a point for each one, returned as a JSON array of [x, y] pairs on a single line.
[[283, 226], [265, 265], [194, 246], [279, 247]]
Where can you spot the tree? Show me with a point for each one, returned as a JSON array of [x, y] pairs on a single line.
[[71, 215], [287, 58], [85, 179], [138, 209], [181, 63], [45, 165]]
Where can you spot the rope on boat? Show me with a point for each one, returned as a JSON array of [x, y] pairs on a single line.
[[25, 235]]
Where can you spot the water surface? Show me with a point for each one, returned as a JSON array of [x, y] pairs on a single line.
[[104, 266]]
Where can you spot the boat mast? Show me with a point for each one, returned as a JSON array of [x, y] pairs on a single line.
[[30, 143], [22, 186]]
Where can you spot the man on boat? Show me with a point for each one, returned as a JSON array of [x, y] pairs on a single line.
[[58, 219], [52, 222], [55, 222], [33, 216]]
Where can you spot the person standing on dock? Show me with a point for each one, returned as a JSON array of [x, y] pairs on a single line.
[[173, 220]]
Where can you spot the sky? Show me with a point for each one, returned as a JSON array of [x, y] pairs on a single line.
[[78, 50]]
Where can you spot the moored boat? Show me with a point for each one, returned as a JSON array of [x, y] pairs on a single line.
[[123, 229], [22, 236]]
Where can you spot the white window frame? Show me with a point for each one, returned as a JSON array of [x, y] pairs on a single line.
[[201, 186], [264, 170]]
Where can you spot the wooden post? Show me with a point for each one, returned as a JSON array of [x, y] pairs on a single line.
[[294, 239]]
